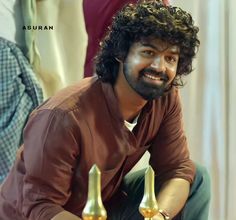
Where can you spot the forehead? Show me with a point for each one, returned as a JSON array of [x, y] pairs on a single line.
[[156, 44]]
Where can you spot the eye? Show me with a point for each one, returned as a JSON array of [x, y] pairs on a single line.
[[171, 59], [148, 53]]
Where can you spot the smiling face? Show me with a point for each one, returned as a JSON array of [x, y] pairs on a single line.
[[150, 66]]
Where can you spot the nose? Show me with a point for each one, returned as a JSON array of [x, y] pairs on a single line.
[[158, 64]]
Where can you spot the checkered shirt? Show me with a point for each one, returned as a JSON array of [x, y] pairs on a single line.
[[20, 93]]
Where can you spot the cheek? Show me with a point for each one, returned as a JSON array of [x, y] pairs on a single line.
[[172, 69], [135, 64], [171, 73]]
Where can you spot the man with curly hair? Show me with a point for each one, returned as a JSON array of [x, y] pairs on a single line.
[[111, 120]]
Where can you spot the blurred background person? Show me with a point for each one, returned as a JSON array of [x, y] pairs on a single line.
[[20, 91], [98, 16]]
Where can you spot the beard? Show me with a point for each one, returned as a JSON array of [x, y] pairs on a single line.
[[146, 90]]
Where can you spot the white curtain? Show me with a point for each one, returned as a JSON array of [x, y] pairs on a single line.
[[231, 186], [208, 102], [62, 49]]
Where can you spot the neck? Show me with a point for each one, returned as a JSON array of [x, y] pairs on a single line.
[[130, 103]]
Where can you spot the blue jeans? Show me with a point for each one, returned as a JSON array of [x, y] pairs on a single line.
[[124, 205]]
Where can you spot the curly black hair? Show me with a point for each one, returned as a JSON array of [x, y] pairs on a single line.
[[137, 21]]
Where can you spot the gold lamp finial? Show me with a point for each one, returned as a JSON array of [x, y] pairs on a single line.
[[148, 206], [94, 209]]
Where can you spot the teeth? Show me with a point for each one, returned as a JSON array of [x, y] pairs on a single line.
[[152, 77]]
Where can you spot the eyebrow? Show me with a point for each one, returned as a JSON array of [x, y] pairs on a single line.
[[172, 50]]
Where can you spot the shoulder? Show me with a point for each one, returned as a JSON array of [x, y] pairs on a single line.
[[69, 106], [169, 101]]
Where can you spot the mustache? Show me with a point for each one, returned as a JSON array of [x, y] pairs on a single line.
[[161, 75]]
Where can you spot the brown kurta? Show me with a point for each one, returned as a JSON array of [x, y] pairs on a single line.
[[81, 126]]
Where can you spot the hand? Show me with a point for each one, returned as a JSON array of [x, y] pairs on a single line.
[[158, 216], [65, 215]]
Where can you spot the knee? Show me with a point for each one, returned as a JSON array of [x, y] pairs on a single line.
[[202, 182], [202, 175]]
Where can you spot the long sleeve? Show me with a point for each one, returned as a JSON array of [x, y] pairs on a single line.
[[50, 152], [169, 151]]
